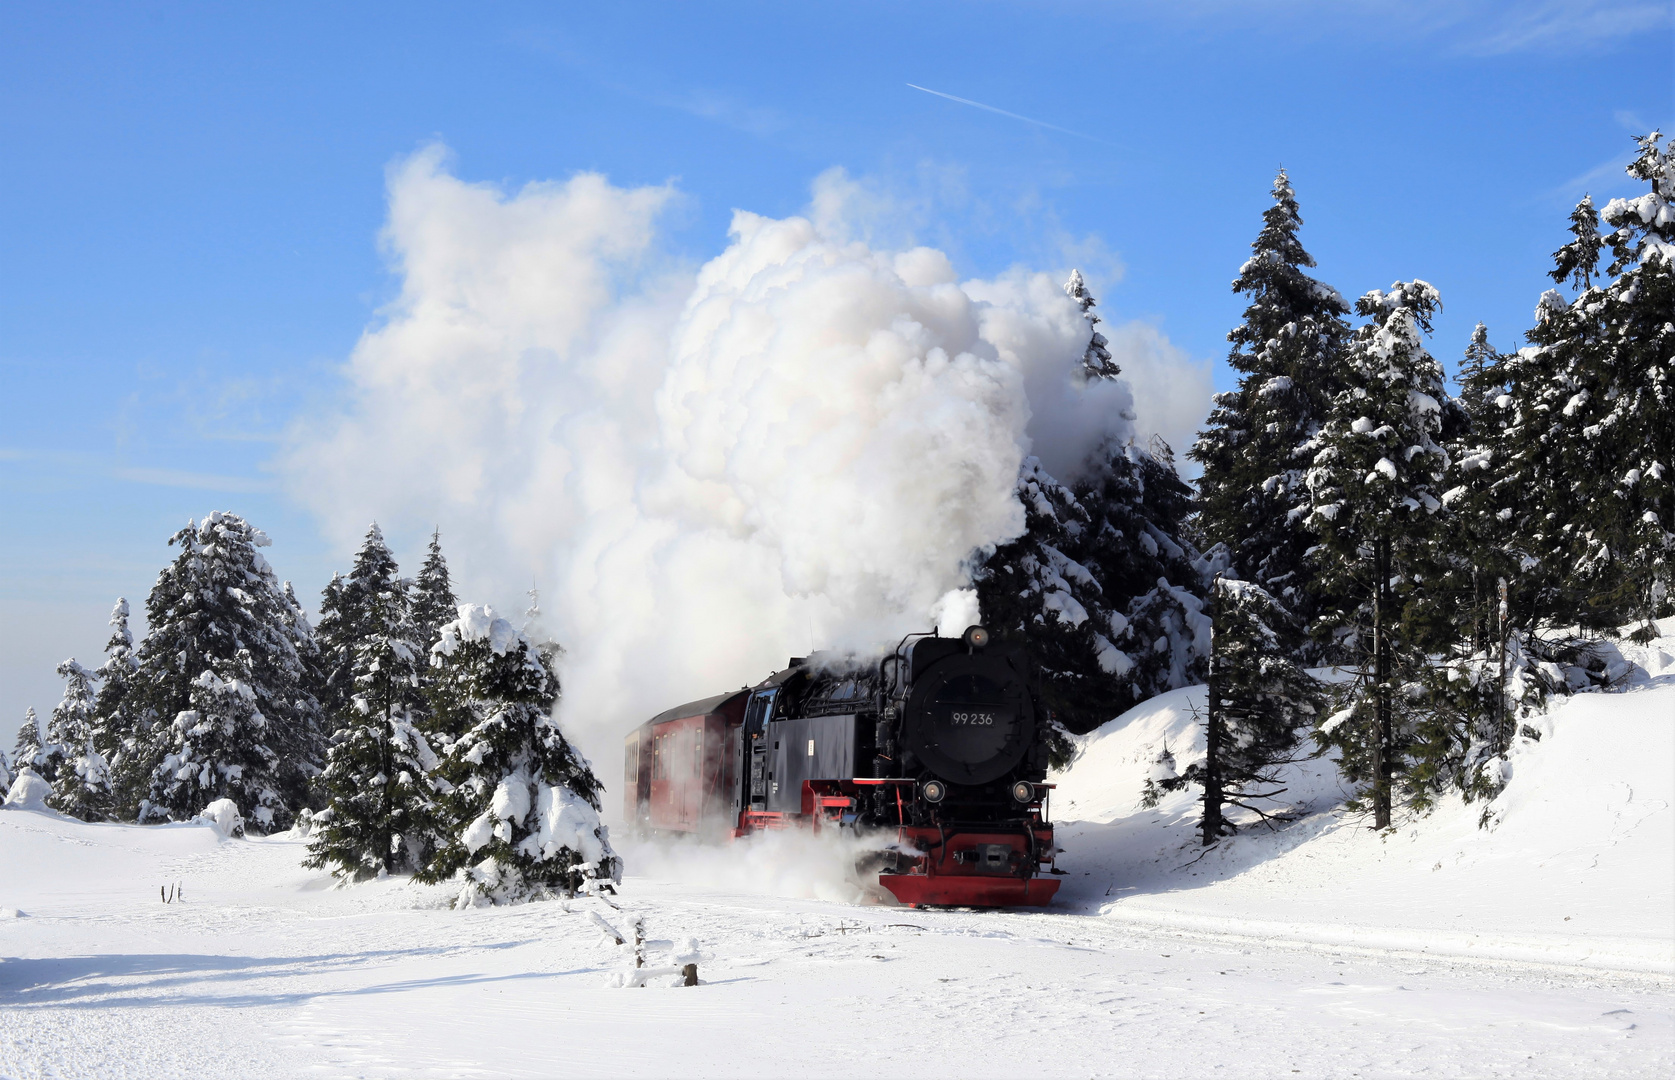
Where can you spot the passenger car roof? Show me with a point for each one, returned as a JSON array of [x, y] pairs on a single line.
[[701, 707]]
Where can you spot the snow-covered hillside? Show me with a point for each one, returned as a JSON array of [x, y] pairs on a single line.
[[1541, 946], [1576, 865]]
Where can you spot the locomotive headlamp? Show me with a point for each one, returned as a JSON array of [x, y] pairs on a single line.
[[934, 791], [1023, 792], [976, 637]]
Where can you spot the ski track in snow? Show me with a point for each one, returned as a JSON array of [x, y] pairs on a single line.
[[1320, 950]]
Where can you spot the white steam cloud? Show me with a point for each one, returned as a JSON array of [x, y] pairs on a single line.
[[800, 445]]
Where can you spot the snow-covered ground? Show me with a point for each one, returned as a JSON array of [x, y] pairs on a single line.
[[1541, 946]]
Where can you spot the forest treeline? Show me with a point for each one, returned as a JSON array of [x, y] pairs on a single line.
[[1461, 555], [405, 733]]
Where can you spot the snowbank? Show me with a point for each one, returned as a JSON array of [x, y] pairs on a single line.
[[1573, 865]]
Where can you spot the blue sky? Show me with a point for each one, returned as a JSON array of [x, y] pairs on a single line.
[[191, 195]]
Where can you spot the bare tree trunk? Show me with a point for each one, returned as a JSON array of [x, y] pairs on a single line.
[[386, 766], [1382, 735], [1213, 795], [1503, 737]]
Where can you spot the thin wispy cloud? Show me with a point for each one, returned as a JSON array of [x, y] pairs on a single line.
[[88, 465], [1606, 176], [1460, 27], [181, 478], [1566, 25], [1012, 115]]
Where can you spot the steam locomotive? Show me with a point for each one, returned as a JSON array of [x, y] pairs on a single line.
[[937, 743]]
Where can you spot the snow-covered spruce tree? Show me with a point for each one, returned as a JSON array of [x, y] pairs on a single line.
[[1590, 442], [1258, 704], [66, 727], [334, 639], [220, 647], [1554, 390], [378, 780], [521, 805], [351, 610], [1153, 580], [307, 646], [1101, 588], [1634, 357], [1255, 448], [82, 786], [1376, 483], [1031, 592], [1096, 358], [218, 749], [434, 603], [26, 751], [1489, 592], [115, 733], [347, 617]]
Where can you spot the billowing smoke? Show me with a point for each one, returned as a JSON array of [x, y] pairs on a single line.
[[798, 445]]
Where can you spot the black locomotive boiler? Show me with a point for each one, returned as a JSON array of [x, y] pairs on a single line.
[[938, 745]]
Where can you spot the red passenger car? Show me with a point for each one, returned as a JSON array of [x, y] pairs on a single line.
[[680, 768]]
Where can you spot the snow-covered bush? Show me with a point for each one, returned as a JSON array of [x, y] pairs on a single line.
[[28, 792], [223, 816], [522, 806]]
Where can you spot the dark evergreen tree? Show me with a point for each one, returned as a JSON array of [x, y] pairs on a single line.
[[307, 646], [1589, 445], [1377, 481], [1632, 498], [1101, 589], [522, 805], [1258, 703], [349, 615], [1256, 447], [378, 782], [220, 647], [115, 732], [335, 638], [1513, 488], [1578, 260], [434, 603], [81, 782], [1489, 594], [1153, 581], [1030, 592]]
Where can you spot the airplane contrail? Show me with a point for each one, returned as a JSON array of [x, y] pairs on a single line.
[[1013, 115]]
